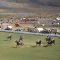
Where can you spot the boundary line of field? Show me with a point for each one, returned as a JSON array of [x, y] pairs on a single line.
[[42, 34]]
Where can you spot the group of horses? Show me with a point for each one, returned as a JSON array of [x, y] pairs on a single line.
[[48, 40], [18, 42], [49, 43], [38, 42]]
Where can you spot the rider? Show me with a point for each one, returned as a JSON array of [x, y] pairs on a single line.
[[49, 38], [20, 39]]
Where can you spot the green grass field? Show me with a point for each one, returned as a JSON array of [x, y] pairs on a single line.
[[26, 52]]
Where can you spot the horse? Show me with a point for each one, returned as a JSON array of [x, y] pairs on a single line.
[[38, 42], [9, 37], [51, 42], [19, 43]]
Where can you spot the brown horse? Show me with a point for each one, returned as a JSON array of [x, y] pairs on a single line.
[[38, 42], [19, 43], [51, 42]]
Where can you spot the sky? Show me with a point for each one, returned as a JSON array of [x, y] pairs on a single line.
[[6, 5]]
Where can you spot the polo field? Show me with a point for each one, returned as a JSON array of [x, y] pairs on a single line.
[[29, 51]]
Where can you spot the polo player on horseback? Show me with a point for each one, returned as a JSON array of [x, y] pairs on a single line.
[[19, 42]]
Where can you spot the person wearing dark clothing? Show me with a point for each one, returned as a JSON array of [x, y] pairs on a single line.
[[21, 38]]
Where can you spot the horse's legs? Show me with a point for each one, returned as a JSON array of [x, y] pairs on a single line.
[[39, 44], [36, 44], [10, 38], [54, 43], [22, 44], [16, 45]]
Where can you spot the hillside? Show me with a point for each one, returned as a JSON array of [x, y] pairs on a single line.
[[39, 7]]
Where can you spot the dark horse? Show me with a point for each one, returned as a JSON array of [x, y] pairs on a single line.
[[51, 42], [19, 43], [9, 37], [38, 42]]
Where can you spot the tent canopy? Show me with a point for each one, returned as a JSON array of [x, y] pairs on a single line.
[[40, 29], [10, 27]]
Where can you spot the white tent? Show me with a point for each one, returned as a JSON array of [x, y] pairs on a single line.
[[10, 27], [39, 29], [58, 18]]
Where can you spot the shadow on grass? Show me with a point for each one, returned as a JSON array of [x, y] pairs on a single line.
[[6, 40]]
